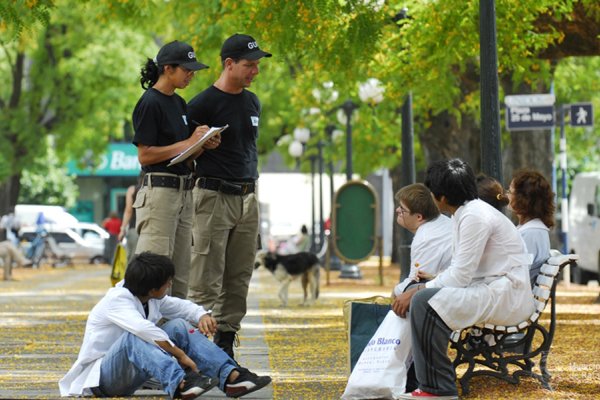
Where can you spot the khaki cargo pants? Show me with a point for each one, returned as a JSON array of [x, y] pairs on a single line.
[[164, 224], [225, 236]]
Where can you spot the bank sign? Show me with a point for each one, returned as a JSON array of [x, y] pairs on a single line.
[[120, 159]]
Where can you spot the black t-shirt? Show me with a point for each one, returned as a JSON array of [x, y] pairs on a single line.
[[161, 120], [236, 158]]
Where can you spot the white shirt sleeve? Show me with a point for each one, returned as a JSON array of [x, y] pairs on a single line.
[[174, 307], [122, 311], [470, 237]]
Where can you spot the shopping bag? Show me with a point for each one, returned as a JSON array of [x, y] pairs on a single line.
[[119, 264], [381, 370], [362, 318]]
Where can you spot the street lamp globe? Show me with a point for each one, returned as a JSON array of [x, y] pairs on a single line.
[[336, 134], [342, 118], [295, 149], [301, 134], [371, 91]]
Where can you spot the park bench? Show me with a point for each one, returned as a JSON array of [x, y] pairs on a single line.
[[490, 350]]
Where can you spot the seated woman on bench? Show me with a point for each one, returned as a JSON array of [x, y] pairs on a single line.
[[532, 201], [487, 280]]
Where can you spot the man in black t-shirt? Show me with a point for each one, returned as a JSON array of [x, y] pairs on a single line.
[[226, 207]]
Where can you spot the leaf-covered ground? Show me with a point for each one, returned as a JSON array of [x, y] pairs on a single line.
[[308, 347], [43, 313]]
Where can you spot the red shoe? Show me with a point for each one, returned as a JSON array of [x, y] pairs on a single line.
[[419, 394]]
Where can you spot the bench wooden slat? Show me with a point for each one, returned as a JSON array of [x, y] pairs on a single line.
[[502, 346], [543, 280], [541, 293], [549, 269]]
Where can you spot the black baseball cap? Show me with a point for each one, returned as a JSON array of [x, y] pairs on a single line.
[[179, 53], [241, 46]]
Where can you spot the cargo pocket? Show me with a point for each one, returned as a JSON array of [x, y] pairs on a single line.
[[201, 245], [155, 243], [140, 200]]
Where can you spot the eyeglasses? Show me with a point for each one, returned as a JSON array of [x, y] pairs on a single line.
[[508, 192], [402, 211]]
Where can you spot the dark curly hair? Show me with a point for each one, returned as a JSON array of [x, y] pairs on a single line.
[[532, 197]]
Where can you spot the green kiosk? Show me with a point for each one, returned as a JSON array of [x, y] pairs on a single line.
[[355, 226]]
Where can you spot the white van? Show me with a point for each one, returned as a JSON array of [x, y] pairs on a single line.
[[27, 215], [584, 225]]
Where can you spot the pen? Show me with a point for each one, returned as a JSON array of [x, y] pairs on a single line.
[[196, 122]]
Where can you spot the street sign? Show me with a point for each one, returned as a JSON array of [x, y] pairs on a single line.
[[528, 100], [582, 114], [529, 118]]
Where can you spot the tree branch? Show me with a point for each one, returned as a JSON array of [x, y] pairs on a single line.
[[580, 32]]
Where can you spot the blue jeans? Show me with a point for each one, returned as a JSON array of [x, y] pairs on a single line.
[[131, 361]]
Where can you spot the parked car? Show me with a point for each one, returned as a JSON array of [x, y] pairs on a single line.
[[82, 243], [584, 225]]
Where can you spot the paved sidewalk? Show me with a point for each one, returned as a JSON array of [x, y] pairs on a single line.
[[43, 317]]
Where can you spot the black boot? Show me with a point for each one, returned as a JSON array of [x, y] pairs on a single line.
[[225, 341]]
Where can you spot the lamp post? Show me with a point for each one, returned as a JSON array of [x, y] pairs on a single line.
[[407, 178], [296, 149], [321, 216], [491, 159], [348, 108], [334, 262]]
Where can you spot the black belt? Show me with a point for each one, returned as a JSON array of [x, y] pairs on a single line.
[[220, 185], [173, 182]]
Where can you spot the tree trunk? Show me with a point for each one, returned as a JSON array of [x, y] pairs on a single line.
[[9, 193], [445, 139], [528, 149]]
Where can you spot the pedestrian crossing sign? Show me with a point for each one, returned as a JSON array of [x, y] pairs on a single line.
[[582, 114]]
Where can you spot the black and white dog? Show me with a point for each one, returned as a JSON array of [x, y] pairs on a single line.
[[287, 268]]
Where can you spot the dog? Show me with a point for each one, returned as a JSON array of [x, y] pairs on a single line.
[[287, 268]]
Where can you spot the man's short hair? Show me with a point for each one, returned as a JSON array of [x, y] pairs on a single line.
[[453, 179], [417, 199], [148, 271]]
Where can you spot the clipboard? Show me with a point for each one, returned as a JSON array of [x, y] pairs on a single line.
[[184, 155]]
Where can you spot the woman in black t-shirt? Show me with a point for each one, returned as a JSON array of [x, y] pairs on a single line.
[[163, 205]]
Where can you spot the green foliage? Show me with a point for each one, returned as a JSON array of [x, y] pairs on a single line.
[[18, 16], [81, 84], [77, 81], [578, 81], [46, 181]]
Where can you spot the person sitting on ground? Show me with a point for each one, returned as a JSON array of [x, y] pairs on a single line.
[[431, 247], [123, 347], [9, 253], [487, 280], [492, 192], [532, 201]]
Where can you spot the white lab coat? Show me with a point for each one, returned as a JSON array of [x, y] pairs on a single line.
[[430, 250], [119, 311], [488, 278]]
